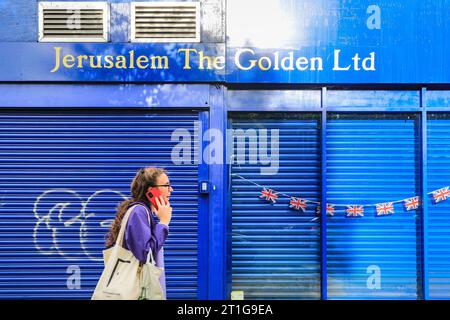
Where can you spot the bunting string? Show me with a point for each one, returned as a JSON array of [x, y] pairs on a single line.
[[352, 210]]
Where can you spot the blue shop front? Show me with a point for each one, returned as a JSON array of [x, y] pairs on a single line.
[[305, 142]]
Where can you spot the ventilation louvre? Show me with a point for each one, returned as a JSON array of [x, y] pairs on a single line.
[[165, 22], [73, 21]]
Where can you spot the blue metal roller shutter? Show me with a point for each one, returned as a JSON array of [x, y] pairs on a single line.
[[276, 250], [372, 159], [438, 214], [62, 175]]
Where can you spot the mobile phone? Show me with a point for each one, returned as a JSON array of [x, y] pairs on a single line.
[[152, 195]]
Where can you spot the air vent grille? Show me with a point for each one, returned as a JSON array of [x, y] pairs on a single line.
[[73, 22], [165, 22]]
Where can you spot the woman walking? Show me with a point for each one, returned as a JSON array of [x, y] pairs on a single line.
[[140, 237]]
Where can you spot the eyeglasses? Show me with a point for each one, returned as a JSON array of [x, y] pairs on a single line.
[[162, 185]]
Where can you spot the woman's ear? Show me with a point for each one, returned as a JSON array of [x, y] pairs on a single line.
[[148, 193]]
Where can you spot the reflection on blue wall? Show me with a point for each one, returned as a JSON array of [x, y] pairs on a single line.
[[406, 37], [351, 41]]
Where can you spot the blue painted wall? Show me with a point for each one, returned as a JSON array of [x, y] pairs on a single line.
[[405, 37], [20, 20]]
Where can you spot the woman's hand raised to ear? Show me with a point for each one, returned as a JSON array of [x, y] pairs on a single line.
[[164, 212]]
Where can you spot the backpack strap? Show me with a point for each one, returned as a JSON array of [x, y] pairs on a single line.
[[121, 235]]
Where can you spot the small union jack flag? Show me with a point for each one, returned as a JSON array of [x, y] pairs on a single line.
[[412, 203], [441, 194], [385, 208], [330, 209], [355, 211], [298, 204], [270, 195]]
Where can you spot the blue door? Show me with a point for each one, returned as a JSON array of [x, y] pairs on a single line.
[[372, 159], [275, 249], [61, 176], [438, 213]]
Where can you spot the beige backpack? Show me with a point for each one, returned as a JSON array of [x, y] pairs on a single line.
[[120, 279]]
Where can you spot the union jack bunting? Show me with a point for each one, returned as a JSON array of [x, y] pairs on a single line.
[[269, 194], [441, 194], [330, 209], [298, 203], [355, 211], [385, 208], [412, 203]]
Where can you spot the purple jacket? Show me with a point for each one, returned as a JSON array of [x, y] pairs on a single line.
[[140, 238]]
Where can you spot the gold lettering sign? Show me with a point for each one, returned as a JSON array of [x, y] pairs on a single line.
[[127, 61]]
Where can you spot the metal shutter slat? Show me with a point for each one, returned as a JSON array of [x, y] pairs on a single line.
[[166, 34], [71, 15], [73, 37], [161, 30], [84, 26], [169, 25], [83, 22], [163, 35], [162, 12], [166, 16], [70, 10], [73, 32], [169, 21], [165, 9]]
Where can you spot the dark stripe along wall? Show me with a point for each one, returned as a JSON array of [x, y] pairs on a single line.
[[61, 176], [276, 250]]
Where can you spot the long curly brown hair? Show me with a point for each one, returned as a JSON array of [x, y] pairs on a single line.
[[144, 178]]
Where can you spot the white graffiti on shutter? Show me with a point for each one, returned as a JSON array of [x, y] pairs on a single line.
[[61, 213]]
